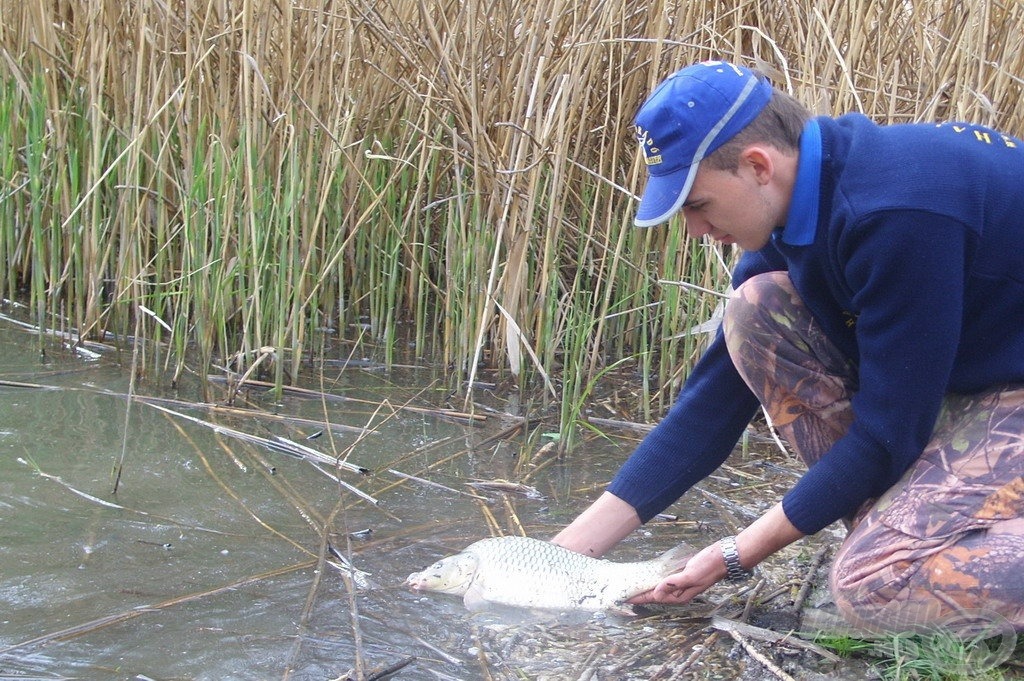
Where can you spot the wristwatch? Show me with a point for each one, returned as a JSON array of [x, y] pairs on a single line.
[[737, 573]]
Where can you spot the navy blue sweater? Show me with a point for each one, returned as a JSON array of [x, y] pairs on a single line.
[[906, 243]]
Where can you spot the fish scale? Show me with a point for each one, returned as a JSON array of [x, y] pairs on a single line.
[[531, 573]]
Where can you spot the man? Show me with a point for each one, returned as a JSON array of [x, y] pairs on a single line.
[[878, 317]]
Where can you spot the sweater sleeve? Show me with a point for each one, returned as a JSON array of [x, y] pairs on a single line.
[[691, 441], [906, 274], [701, 429]]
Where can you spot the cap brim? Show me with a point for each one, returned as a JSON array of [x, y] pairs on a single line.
[[664, 195]]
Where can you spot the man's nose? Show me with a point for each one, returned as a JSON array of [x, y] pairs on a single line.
[[695, 227]]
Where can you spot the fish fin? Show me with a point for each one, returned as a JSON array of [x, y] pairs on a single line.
[[474, 598], [622, 609], [676, 558]]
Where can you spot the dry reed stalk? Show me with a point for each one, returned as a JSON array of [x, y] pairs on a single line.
[[252, 174]]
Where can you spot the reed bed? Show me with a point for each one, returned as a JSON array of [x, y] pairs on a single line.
[[223, 177]]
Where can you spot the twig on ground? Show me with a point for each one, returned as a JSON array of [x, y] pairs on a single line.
[[391, 669], [513, 516], [353, 604], [251, 413], [284, 446], [752, 600], [808, 582], [727, 508], [307, 610], [506, 487], [481, 655], [431, 483], [448, 414], [493, 526], [760, 657], [697, 652], [768, 636]]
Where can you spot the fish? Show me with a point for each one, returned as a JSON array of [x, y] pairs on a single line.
[[532, 573]]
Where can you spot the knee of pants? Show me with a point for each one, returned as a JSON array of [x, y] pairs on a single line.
[[860, 598], [852, 588], [747, 309], [871, 573], [886, 594], [851, 580]]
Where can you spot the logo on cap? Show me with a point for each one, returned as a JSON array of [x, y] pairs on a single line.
[[652, 154]]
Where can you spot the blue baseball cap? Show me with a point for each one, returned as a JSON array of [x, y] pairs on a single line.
[[689, 115]]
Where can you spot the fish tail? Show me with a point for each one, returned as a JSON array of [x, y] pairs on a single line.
[[675, 559]]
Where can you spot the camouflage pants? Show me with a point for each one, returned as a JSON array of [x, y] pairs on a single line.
[[947, 540]]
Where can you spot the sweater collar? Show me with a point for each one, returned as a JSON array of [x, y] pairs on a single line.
[[802, 220]]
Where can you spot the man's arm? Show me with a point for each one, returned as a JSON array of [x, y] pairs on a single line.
[[694, 438], [601, 526]]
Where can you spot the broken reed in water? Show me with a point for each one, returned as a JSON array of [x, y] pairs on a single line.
[[253, 174]]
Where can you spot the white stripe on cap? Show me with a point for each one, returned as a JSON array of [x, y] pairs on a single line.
[[745, 93]]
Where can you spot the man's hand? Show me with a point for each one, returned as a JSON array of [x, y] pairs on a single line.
[[703, 571], [765, 536]]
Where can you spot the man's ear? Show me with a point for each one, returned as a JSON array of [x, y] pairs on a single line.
[[759, 159]]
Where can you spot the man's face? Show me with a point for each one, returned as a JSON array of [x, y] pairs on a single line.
[[732, 208]]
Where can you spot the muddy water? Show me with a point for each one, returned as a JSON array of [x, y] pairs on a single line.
[[211, 560]]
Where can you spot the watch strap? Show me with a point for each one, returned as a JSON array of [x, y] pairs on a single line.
[[736, 571]]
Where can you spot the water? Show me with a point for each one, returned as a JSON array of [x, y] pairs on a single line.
[[208, 562]]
